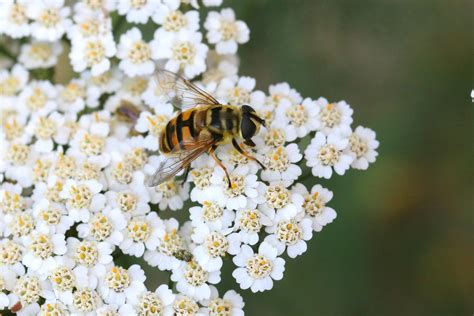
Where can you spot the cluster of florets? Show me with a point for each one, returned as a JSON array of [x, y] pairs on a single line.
[[74, 200]]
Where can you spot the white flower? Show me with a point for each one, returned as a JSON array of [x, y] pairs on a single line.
[[91, 255], [240, 92], [141, 233], [137, 11], [362, 147], [231, 302], [212, 3], [106, 225], [258, 270], [40, 54], [211, 215], [225, 31], [172, 20], [183, 51], [153, 124], [280, 202], [93, 53], [242, 192], [136, 54], [13, 18], [298, 120], [51, 217], [41, 249], [82, 198], [121, 285], [11, 82], [281, 164], [212, 245], [170, 243], [158, 302], [38, 97], [326, 153], [315, 205], [282, 91], [335, 117], [192, 280], [290, 234], [50, 19], [249, 223]]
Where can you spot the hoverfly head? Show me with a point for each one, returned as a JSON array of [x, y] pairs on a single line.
[[250, 124]]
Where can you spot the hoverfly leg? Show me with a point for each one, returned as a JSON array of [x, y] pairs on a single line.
[[246, 154], [213, 155], [186, 173]]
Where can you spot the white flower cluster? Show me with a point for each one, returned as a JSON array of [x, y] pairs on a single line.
[[73, 196]]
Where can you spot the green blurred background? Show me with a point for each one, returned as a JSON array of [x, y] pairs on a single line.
[[403, 240]]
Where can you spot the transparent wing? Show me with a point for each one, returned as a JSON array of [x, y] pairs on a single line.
[[171, 166], [181, 92]]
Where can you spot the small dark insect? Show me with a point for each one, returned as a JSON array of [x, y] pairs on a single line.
[[128, 112], [183, 254], [16, 308], [201, 127]]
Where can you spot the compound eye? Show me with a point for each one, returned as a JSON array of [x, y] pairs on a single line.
[[247, 128]]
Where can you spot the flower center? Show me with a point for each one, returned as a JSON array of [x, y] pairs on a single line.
[[65, 166], [18, 14], [277, 196], [89, 28], [86, 253], [10, 253], [184, 52], [258, 267], [88, 171], [12, 202], [168, 188], [138, 4], [297, 115], [136, 86], [185, 306], [40, 51], [63, 279], [50, 309], [72, 92], [358, 145], [195, 274], [118, 279], [13, 129], [228, 30], [139, 53], [53, 193], [138, 230], [123, 173], [95, 52], [212, 211], [328, 155], [46, 128], [171, 243], [217, 244], [18, 154], [28, 289], [238, 96], [9, 86], [49, 18], [102, 79], [91, 145], [81, 196], [85, 300], [313, 204], [52, 216], [250, 221], [277, 160], [136, 158], [289, 232], [220, 307], [202, 177], [175, 21], [22, 224], [41, 170], [275, 137], [149, 305], [101, 227], [42, 246], [330, 115], [37, 99], [237, 186], [94, 4], [127, 201]]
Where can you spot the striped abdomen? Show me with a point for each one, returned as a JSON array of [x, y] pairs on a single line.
[[220, 120]]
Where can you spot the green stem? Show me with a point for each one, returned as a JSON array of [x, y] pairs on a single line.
[[118, 24]]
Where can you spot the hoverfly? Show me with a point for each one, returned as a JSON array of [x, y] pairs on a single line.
[[201, 126]]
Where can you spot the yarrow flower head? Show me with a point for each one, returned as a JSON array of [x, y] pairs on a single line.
[[79, 220]]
